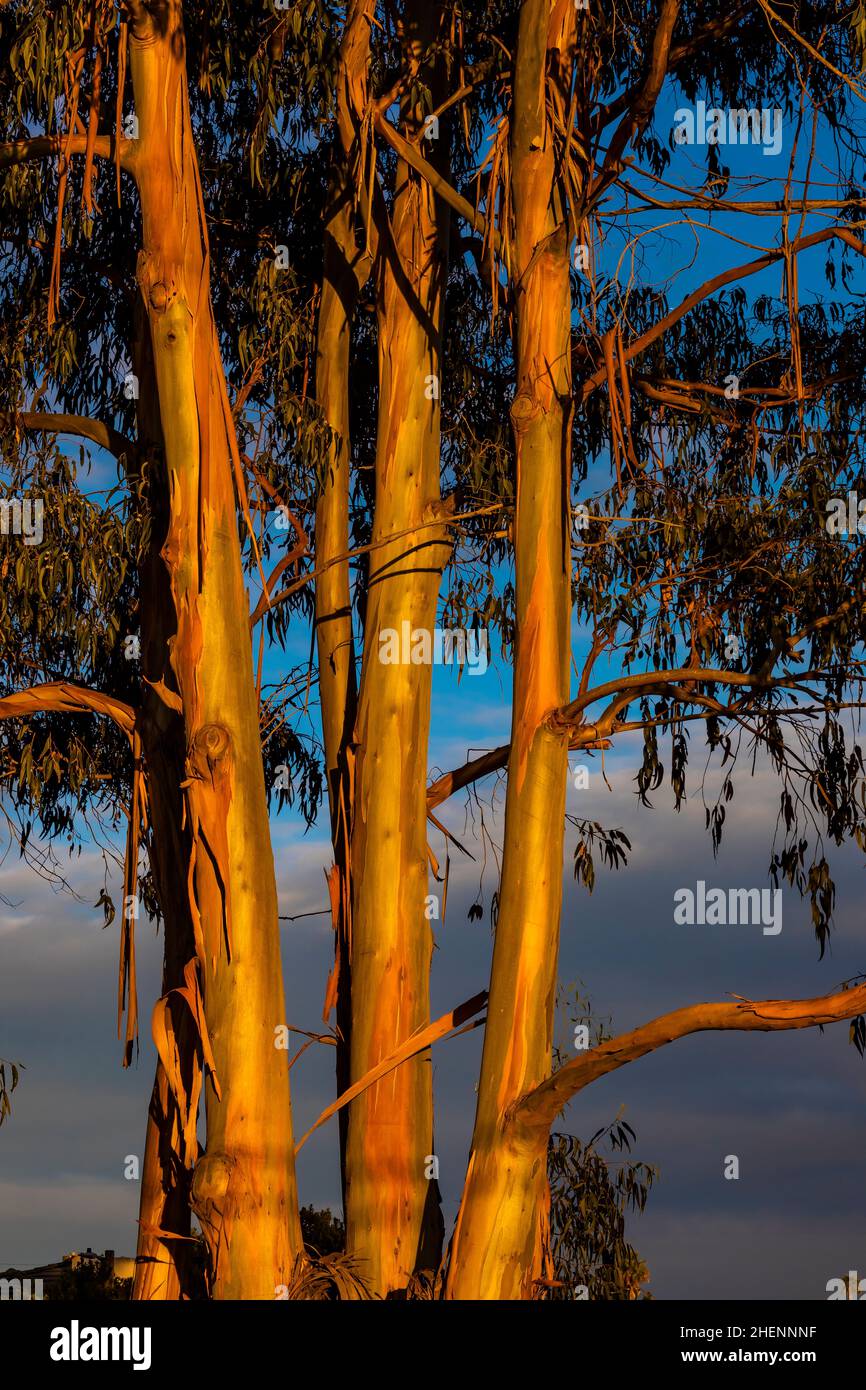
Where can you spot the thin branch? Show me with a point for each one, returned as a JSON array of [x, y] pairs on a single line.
[[446, 192], [418, 1042], [444, 518], [96, 430], [718, 282], [773, 17]]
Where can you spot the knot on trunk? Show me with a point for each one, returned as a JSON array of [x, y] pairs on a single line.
[[524, 409], [158, 296], [210, 1179], [210, 748]]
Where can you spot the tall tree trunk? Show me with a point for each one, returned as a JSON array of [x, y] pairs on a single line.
[[346, 269], [495, 1251], [336, 653], [243, 1189], [392, 1212]]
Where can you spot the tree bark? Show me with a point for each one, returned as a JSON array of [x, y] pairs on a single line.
[[496, 1247], [392, 1213], [243, 1188]]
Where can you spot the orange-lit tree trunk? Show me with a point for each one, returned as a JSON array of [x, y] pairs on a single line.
[[495, 1251], [392, 1214], [243, 1188], [346, 269]]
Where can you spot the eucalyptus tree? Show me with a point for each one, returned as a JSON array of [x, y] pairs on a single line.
[[703, 568], [194, 756], [371, 280]]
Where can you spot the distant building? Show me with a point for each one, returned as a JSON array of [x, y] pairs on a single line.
[[22, 1283], [78, 1259]]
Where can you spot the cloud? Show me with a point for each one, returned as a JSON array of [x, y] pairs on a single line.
[[790, 1105]]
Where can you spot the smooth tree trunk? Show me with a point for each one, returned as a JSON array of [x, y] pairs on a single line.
[[243, 1189], [496, 1248], [346, 269], [392, 1207]]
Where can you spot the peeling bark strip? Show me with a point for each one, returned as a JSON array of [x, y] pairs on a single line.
[[71, 699], [449, 1023], [392, 1217], [243, 1188], [495, 1252]]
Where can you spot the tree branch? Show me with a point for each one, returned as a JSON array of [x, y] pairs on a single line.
[[597, 734], [419, 1041], [444, 517], [44, 146], [640, 682], [641, 109], [104, 435], [740, 272], [539, 1108], [61, 697], [716, 29], [464, 776], [472, 771]]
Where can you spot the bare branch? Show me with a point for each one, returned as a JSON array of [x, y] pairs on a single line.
[[418, 1042], [464, 776], [64, 698], [709, 287], [45, 146], [104, 435], [473, 771], [540, 1107]]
